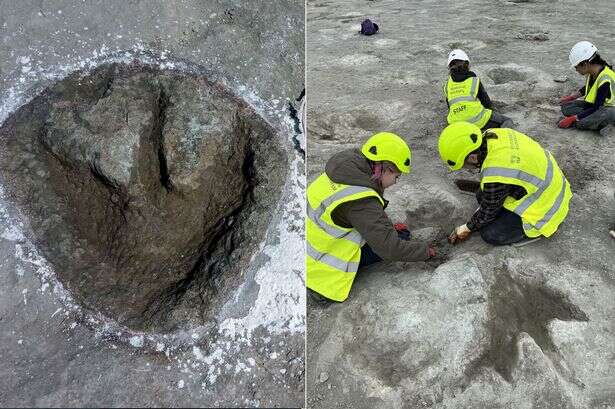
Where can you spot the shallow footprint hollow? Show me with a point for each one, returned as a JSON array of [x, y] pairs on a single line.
[[147, 190], [503, 75]]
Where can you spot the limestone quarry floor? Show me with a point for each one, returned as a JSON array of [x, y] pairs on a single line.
[[478, 327]]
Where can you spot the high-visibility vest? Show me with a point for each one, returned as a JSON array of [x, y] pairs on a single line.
[[333, 252], [516, 159], [606, 75], [463, 102]]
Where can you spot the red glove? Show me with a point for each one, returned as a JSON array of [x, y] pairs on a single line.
[[568, 121], [431, 252], [567, 98], [400, 226]]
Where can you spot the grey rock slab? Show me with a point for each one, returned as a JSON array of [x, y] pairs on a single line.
[[405, 338]]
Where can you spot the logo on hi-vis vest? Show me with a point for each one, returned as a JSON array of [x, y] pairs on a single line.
[[459, 109]]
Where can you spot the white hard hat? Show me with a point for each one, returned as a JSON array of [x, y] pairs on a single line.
[[581, 51], [457, 55]]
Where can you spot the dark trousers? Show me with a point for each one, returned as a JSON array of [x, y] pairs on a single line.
[[369, 257], [507, 228], [498, 121], [594, 122]]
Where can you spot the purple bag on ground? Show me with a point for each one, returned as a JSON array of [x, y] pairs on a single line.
[[368, 27]]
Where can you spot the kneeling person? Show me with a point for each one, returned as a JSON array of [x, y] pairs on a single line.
[[467, 98], [523, 193], [346, 225]]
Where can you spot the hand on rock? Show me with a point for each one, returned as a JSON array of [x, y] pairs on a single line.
[[400, 226], [460, 234], [568, 121], [431, 252]]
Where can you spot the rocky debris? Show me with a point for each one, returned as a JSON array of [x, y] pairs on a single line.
[[533, 36], [147, 190]]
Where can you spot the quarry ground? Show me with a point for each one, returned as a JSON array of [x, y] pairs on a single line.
[[477, 327]]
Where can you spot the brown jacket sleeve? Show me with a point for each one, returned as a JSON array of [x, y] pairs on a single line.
[[369, 218]]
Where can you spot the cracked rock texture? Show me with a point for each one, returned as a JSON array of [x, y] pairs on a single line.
[[478, 326]]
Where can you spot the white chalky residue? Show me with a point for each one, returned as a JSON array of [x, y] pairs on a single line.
[[19, 270], [136, 341], [25, 292], [180, 384], [12, 233], [197, 353]]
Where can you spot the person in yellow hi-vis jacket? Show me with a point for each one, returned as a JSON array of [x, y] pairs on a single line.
[[596, 110], [346, 225], [467, 98], [523, 193]]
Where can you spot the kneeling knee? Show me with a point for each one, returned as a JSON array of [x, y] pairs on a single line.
[[491, 237]]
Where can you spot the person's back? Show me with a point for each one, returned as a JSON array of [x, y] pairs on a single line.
[[515, 158], [466, 96], [522, 193]]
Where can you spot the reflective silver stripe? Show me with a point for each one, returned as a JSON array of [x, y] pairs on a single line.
[[332, 261], [512, 173], [466, 98], [611, 100], [316, 214], [474, 85], [478, 116], [602, 78], [531, 199], [597, 84], [527, 227], [555, 207], [461, 99], [334, 231], [347, 191]]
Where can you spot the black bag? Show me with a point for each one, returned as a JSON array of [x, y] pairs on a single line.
[[368, 27]]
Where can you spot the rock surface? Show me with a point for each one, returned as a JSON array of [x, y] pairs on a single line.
[[250, 352], [477, 327], [139, 186]]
